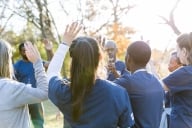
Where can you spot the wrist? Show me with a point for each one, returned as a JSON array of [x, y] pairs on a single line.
[[64, 43]]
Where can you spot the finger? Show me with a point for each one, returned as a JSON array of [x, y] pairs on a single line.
[[77, 30], [27, 46], [66, 29], [30, 49], [73, 27], [36, 51]]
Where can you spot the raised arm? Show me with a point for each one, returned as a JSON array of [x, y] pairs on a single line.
[[49, 48], [40, 75], [26, 94], [57, 61]]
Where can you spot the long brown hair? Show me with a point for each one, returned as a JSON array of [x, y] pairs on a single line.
[[84, 52]]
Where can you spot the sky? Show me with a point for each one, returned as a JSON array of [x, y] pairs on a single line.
[[144, 18]]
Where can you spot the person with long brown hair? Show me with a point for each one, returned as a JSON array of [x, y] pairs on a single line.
[[87, 101]]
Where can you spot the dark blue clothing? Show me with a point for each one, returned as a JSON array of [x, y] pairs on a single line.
[[24, 72], [107, 106], [180, 86], [120, 67], [167, 100], [146, 96]]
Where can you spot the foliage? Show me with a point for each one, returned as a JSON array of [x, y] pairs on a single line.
[[50, 111]]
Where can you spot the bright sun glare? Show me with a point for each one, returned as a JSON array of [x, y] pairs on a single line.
[[144, 18]]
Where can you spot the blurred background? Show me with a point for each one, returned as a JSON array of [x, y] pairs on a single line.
[[158, 22]]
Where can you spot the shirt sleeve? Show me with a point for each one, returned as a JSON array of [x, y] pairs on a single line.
[[178, 81], [122, 67], [124, 81], [126, 118], [23, 94], [57, 89], [56, 63]]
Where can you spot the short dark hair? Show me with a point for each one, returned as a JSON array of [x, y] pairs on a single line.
[[139, 52], [21, 45], [177, 58]]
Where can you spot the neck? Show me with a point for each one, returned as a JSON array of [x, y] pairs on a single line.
[[135, 67], [25, 60]]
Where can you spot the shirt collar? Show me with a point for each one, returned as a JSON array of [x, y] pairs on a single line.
[[139, 70]]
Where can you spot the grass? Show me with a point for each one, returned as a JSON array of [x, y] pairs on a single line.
[[50, 112]]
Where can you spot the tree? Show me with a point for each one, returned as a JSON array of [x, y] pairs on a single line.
[[171, 21], [4, 15], [106, 17], [37, 13]]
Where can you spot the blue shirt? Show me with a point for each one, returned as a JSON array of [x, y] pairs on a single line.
[[146, 96], [24, 72], [107, 106], [180, 85], [120, 67]]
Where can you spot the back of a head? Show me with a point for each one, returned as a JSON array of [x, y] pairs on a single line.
[[5, 59], [84, 52], [139, 52], [185, 41]]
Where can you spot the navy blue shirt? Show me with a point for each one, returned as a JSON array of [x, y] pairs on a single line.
[[120, 67], [146, 96], [24, 72], [180, 85], [107, 106]]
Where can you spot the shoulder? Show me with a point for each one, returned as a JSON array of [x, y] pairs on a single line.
[[12, 85], [17, 63], [111, 86], [59, 82], [120, 62], [180, 73]]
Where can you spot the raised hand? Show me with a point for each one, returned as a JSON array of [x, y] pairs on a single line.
[[71, 32], [32, 52], [48, 44], [101, 40]]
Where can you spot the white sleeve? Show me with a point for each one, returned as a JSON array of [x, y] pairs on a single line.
[[56, 63]]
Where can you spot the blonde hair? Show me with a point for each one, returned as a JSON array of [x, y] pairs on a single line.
[[6, 67]]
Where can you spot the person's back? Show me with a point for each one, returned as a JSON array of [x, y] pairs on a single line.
[[86, 101], [105, 106], [146, 96], [15, 95], [144, 89]]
